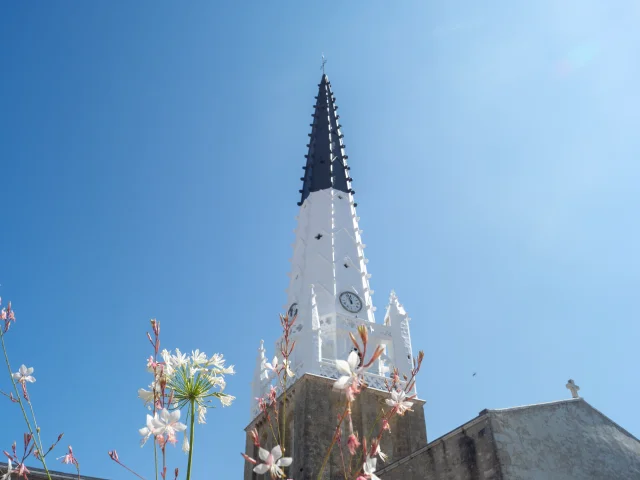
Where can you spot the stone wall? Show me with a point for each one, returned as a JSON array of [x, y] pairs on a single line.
[[311, 420], [466, 453]]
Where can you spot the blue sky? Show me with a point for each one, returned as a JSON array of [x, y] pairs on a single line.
[[150, 158]]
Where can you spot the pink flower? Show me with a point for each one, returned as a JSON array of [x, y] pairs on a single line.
[[69, 458], [256, 439], [22, 471], [8, 316], [273, 461], [352, 444], [166, 423], [385, 425], [398, 402]]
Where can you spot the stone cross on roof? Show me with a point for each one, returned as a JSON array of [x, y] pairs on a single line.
[[573, 388]]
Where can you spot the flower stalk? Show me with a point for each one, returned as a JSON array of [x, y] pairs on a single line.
[[193, 417]]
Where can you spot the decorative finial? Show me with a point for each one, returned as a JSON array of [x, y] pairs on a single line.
[[324, 61], [261, 349], [571, 385]]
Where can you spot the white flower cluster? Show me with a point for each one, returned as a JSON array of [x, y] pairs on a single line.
[[187, 381]]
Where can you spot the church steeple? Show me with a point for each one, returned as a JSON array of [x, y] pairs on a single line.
[[329, 288], [325, 166]]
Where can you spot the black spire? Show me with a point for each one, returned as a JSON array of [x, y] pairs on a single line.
[[326, 166]]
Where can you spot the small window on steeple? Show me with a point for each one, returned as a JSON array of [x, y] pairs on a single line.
[[318, 236]]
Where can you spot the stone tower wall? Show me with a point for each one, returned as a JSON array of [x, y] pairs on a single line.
[[311, 420]]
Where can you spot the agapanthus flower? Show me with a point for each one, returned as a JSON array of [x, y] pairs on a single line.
[[198, 357], [217, 361], [179, 359], [273, 462], [202, 414]]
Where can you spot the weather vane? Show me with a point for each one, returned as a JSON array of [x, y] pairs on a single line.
[[324, 61]]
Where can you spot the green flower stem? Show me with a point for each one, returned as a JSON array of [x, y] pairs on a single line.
[[284, 414], [35, 424], [24, 412], [192, 410], [155, 455]]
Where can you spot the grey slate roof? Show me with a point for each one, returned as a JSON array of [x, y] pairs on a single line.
[[39, 474], [326, 166]]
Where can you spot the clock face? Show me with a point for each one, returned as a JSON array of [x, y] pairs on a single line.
[[293, 310], [351, 302]]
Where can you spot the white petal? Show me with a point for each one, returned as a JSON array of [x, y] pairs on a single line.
[[261, 469], [353, 360], [163, 415], [276, 452], [174, 416], [284, 462], [343, 367], [342, 383], [390, 402], [263, 454], [179, 427]]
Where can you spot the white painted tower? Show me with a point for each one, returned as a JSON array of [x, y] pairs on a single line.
[[329, 283]]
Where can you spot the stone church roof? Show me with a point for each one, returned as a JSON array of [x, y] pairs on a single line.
[[563, 440]]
